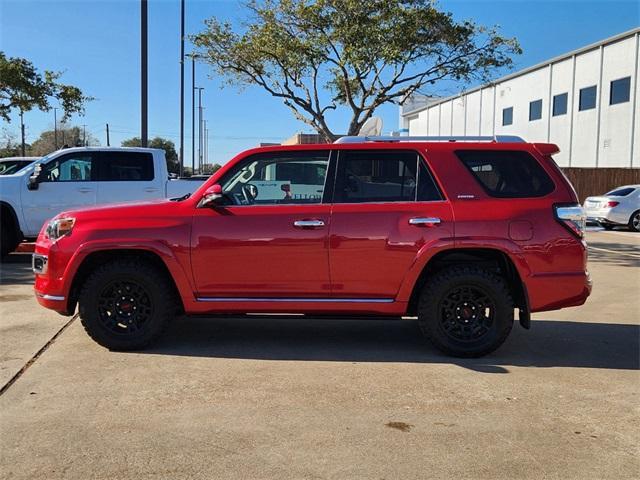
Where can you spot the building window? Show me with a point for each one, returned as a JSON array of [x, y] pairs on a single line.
[[535, 110], [507, 116], [587, 98], [620, 91], [560, 104]]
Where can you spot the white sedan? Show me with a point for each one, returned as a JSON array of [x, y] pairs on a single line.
[[619, 207]]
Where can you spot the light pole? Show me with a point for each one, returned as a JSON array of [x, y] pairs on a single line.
[[181, 88], [143, 74], [193, 114], [200, 89]]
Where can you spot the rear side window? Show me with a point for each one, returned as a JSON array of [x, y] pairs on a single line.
[[383, 176], [126, 167], [507, 174]]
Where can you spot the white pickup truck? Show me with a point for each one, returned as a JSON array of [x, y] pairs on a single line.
[[81, 177]]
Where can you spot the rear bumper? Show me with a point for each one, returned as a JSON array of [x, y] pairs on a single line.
[[553, 291]]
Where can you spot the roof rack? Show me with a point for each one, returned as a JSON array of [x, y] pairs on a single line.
[[391, 138]]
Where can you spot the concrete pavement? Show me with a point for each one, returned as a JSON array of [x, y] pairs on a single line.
[[330, 399]]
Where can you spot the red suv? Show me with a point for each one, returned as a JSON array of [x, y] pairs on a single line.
[[458, 233]]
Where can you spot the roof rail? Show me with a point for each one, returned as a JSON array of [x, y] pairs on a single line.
[[390, 138]]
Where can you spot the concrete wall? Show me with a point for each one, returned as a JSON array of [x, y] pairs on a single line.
[[606, 136]]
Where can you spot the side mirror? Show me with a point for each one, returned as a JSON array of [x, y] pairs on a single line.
[[211, 197], [33, 178]]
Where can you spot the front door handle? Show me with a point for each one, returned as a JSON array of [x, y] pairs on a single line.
[[150, 189], [85, 190], [424, 221], [308, 223]]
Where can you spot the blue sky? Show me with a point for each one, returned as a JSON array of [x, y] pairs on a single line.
[[96, 44]]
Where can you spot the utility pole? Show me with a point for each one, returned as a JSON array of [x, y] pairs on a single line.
[[193, 114], [206, 147], [84, 135], [143, 71], [22, 132], [181, 88], [108, 144], [55, 127]]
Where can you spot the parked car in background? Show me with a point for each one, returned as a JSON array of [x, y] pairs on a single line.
[[619, 207], [81, 177], [459, 234], [11, 165]]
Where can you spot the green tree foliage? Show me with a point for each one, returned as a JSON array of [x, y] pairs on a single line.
[[67, 136], [318, 55], [173, 163], [23, 88], [210, 168]]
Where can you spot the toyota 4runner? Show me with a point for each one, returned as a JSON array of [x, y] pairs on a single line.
[[458, 232]]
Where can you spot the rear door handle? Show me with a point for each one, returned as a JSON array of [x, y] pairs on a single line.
[[424, 221], [150, 189], [314, 223], [85, 190]]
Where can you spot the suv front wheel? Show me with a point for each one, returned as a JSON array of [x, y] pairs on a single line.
[[466, 311]]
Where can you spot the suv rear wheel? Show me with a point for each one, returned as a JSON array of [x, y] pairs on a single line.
[[126, 304], [466, 311]]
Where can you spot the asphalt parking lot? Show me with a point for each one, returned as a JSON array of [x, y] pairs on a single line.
[[324, 398]]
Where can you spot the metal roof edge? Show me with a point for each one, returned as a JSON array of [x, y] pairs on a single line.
[[533, 68]]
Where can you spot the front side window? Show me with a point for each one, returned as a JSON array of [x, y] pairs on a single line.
[[587, 99], [560, 104], [507, 116], [74, 167], [126, 166], [535, 110], [507, 174], [278, 178], [383, 176], [620, 91]]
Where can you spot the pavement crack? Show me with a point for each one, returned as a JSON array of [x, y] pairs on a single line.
[[35, 357]]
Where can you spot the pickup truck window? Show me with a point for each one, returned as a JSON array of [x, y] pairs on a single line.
[[282, 178], [125, 167], [383, 176], [75, 167]]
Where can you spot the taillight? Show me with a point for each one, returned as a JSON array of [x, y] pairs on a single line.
[[572, 216], [612, 204]]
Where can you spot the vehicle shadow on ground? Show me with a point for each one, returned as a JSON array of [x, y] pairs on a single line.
[[15, 269], [626, 255], [548, 343]]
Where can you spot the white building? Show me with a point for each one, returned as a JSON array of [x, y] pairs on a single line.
[[586, 102]]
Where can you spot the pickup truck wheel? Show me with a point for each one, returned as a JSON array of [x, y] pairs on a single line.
[[466, 311], [8, 239], [126, 304]]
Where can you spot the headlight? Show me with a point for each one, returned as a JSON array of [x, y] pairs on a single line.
[[59, 227]]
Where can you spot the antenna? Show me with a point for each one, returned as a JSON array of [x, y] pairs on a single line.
[[371, 128]]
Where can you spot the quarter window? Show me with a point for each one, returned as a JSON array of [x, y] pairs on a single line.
[[126, 166], [507, 174], [383, 176], [507, 116], [75, 167], [560, 104], [587, 99], [620, 91]]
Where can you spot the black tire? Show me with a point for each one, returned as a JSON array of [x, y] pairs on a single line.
[[634, 221], [8, 238], [466, 311], [127, 304], [607, 226]]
